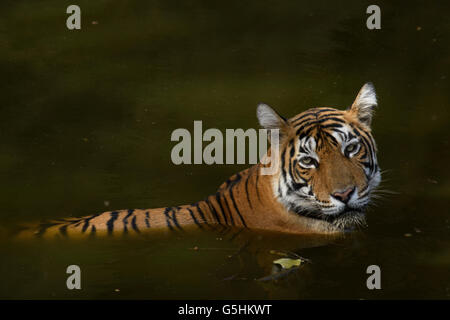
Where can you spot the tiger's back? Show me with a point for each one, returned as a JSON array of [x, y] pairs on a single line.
[[239, 194]]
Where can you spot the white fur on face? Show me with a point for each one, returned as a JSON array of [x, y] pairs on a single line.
[[308, 144], [345, 137]]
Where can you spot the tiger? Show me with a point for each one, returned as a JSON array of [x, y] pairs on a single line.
[[326, 172]]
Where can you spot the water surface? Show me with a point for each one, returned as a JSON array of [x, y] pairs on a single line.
[[85, 125]]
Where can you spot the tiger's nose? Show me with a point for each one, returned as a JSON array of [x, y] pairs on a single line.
[[345, 195]]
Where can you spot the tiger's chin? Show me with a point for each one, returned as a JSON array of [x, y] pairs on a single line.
[[350, 220], [346, 221]]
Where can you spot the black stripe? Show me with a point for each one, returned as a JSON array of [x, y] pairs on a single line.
[[230, 213], [280, 193], [228, 209], [297, 186], [174, 218], [227, 183], [316, 120], [213, 210], [331, 125], [364, 155], [93, 230], [311, 124], [333, 139], [327, 118], [194, 218], [302, 150], [291, 173], [63, 230], [256, 185], [43, 228], [246, 191], [292, 146], [86, 222], [125, 221], [147, 219], [169, 225], [316, 112], [366, 164], [294, 172], [351, 136], [237, 210], [303, 117], [368, 146], [110, 223], [85, 225], [297, 170], [134, 225], [76, 222], [283, 162], [306, 132], [325, 109], [202, 215], [222, 211]]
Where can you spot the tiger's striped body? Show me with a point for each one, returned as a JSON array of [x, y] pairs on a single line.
[[239, 202], [319, 187]]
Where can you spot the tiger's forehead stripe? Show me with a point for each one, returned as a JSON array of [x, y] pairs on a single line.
[[313, 112], [319, 123], [303, 125]]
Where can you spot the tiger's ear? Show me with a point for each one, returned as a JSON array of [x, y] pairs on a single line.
[[364, 104], [269, 119]]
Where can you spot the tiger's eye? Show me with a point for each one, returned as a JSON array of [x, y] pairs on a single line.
[[350, 148], [307, 161]]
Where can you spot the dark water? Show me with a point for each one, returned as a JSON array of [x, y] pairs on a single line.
[[86, 118]]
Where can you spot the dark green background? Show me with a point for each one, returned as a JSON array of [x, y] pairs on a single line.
[[86, 117]]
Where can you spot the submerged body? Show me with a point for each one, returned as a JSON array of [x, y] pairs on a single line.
[[326, 171]]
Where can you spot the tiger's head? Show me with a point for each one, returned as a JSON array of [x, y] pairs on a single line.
[[327, 161]]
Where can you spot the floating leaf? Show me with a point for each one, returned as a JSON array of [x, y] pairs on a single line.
[[287, 263]]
